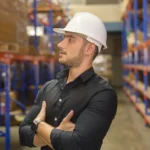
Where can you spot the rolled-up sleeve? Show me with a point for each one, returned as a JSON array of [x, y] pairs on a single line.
[[26, 135], [91, 126]]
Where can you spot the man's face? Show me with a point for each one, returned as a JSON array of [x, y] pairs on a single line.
[[71, 50]]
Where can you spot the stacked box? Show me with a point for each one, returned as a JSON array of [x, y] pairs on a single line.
[[14, 19], [13, 105]]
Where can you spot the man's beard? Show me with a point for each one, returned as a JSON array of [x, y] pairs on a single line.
[[75, 61]]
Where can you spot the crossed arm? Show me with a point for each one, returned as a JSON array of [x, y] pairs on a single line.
[[89, 130], [42, 138]]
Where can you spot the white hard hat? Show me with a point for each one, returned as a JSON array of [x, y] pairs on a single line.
[[89, 25]]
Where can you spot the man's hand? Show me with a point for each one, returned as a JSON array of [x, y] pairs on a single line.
[[44, 129], [66, 124], [38, 141], [42, 113]]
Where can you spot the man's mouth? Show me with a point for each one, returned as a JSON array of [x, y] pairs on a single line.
[[62, 53]]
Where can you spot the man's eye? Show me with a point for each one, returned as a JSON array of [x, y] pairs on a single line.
[[69, 40]]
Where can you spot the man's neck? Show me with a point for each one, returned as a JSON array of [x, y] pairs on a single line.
[[75, 72]]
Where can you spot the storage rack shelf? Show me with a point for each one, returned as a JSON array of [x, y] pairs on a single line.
[[7, 58], [136, 56], [139, 106]]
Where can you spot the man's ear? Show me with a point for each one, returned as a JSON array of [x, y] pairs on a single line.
[[90, 47]]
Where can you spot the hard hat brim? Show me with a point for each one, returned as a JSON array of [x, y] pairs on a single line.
[[62, 31]]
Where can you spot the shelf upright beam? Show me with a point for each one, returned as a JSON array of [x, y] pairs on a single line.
[[135, 18], [36, 81], [122, 40], [146, 79], [14, 81], [125, 37], [128, 30], [145, 28], [42, 81], [129, 19], [52, 69], [35, 25], [146, 101], [124, 47], [145, 19], [51, 28], [7, 104], [49, 72], [22, 83]]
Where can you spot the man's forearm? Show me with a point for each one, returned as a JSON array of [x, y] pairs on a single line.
[[44, 131], [38, 142]]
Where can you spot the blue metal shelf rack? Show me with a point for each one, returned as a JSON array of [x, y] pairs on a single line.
[[137, 60], [34, 72]]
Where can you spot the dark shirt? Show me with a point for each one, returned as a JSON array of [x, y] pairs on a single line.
[[94, 103]]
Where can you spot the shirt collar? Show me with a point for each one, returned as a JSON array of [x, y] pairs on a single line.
[[84, 76], [62, 74]]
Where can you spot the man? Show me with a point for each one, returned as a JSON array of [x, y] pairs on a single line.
[[75, 110]]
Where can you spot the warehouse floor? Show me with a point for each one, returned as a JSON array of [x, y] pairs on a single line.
[[126, 133]]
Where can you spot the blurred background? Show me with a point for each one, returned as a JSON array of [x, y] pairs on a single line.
[[29, 58]]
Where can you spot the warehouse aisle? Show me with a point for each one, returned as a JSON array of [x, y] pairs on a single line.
[[126, 133]]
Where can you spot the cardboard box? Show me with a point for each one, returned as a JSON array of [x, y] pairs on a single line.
[[13, 29], [13, 105]]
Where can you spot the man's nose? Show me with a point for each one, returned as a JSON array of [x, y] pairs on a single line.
[[61, 44]]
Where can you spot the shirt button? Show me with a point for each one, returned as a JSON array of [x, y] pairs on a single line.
[[55, 119], [60, 100]]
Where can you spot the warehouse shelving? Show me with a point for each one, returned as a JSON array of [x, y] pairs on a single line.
[[6, 59], [139, 106], [52, 11], [6, 134], [136, 58], [50, 61]]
